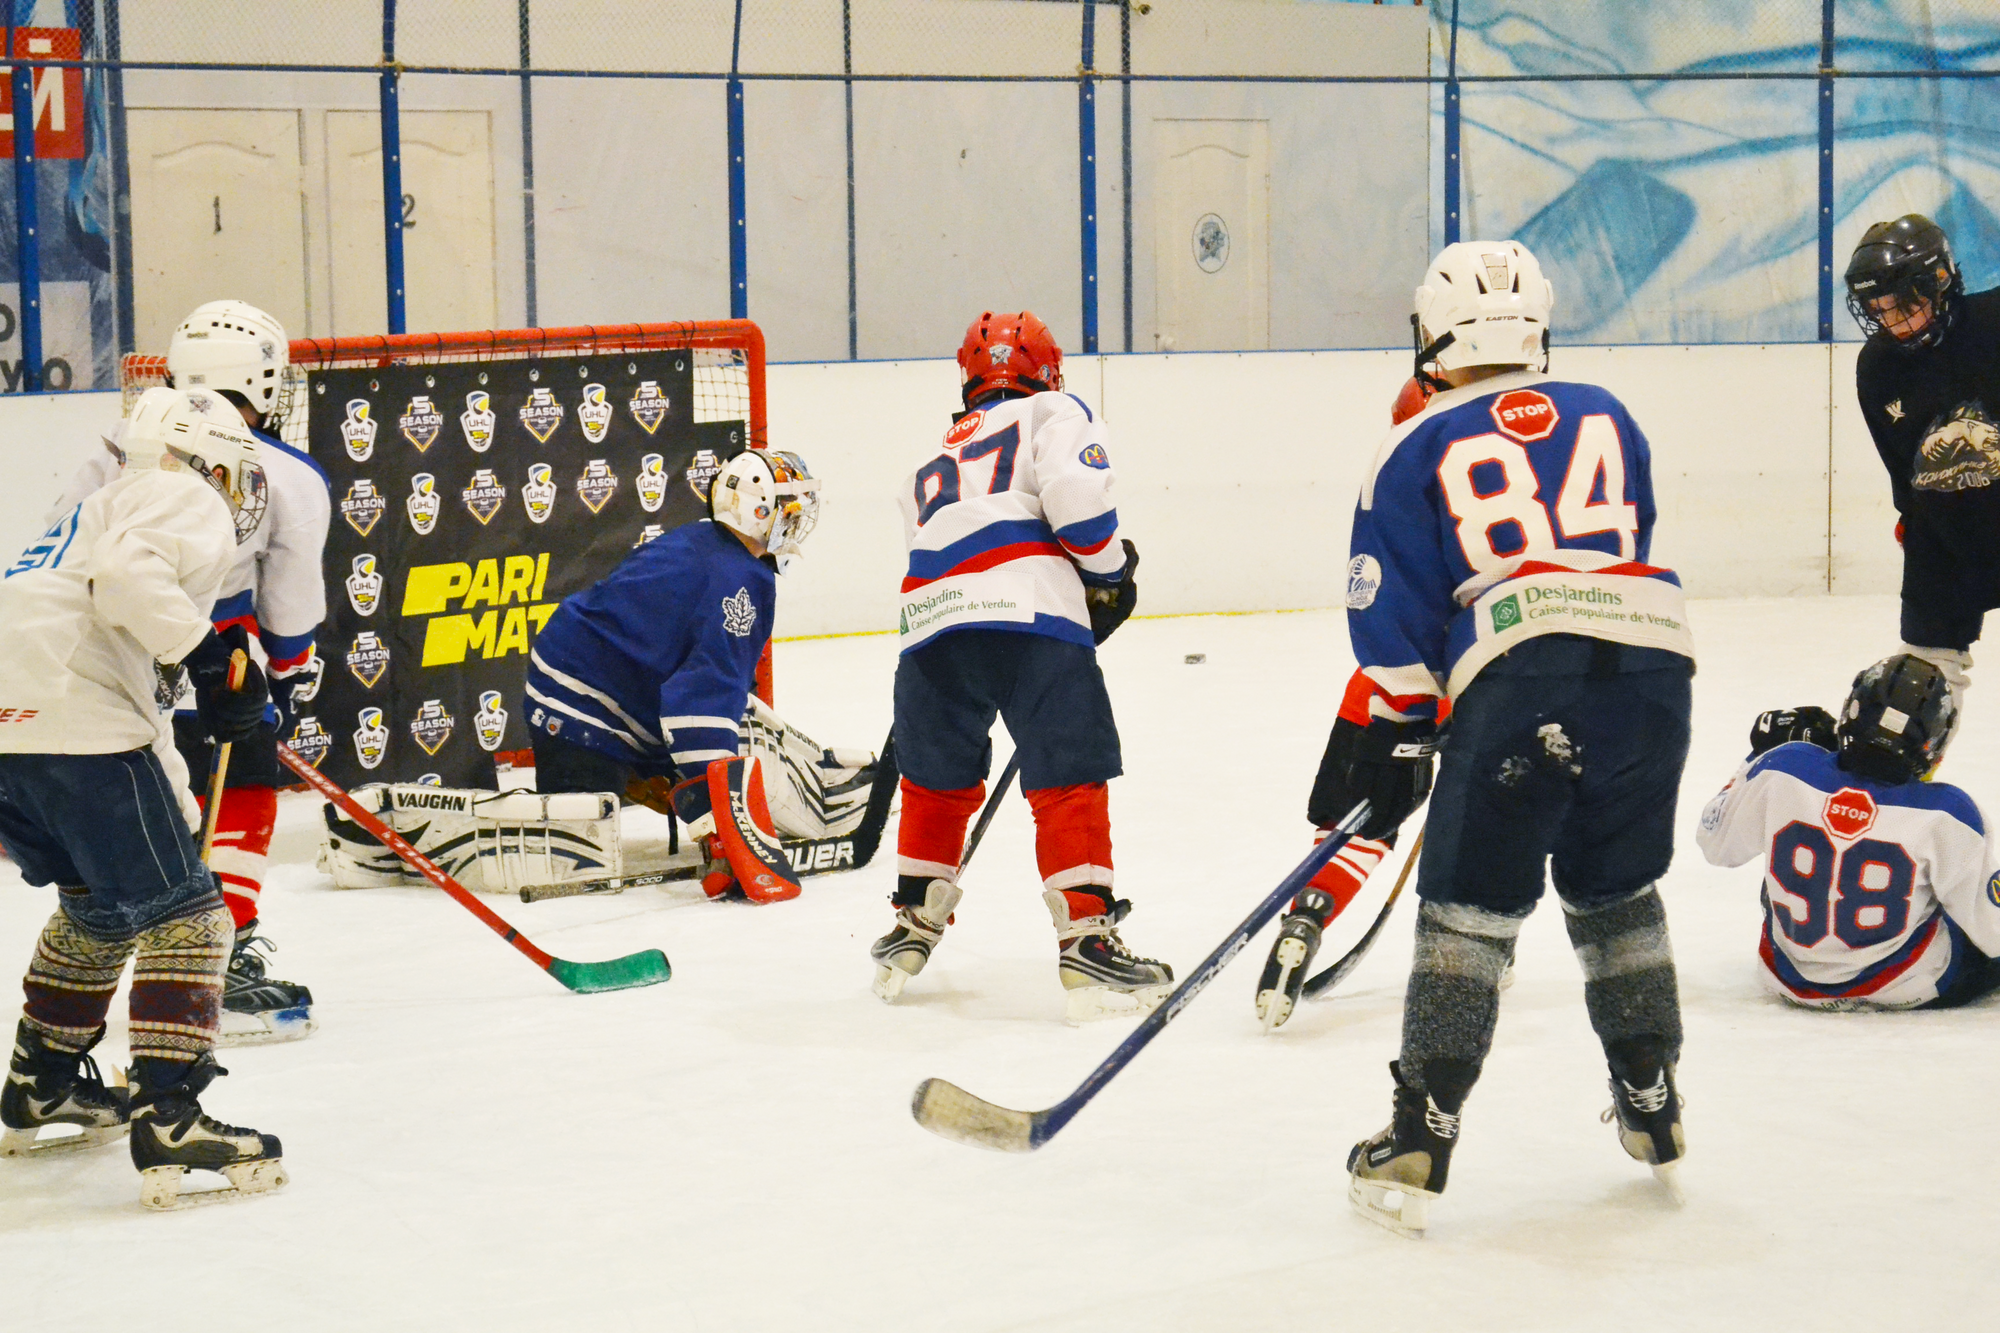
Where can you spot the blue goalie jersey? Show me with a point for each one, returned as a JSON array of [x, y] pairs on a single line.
[[1510, 508], [653, 664]]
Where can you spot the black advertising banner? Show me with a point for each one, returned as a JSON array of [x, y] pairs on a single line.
[[469, 499]]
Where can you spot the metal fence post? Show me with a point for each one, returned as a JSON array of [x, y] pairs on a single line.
[[1451, 135], [1125, 149], [27, 245], [528, 170], [1826, 172], [392, 172], [739, 246], [1086, 153], [847, 68], [121, 180]]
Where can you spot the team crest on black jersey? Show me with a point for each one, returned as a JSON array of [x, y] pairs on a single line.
[[597, 485], [432, 726], [1960, 452], [364, 586], [368, 658], [363, 507], [648, 406], [484, 494], [489, 724], [701, 472], [358, 431], [652, 483], [541, 414], [539, 494], [648, 533], [476, 421], [310, 741], [371, 738], [424, 503], [420, 423], [593, 414]]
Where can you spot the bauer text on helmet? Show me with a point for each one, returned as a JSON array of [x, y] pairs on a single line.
[[769, 496], [176, 430], [1008, 354], [232, 348], [1482, 303]]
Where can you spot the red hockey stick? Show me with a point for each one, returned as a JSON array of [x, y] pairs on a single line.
[[648, 967]]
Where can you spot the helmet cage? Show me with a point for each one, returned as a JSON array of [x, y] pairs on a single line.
[[1910, 260], [247, 493]]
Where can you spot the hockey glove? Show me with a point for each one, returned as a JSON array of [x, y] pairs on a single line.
[[1387, 764], [228, 716], [1782, 725], [1109, 605]]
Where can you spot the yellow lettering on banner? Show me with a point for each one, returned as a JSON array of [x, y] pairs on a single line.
[[513, 633], [430, 587], [480, 633], [541, 576], [485, 585], [449, 640], [542, 613], [518, 579]]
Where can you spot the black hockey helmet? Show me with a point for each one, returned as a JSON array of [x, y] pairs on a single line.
[[1909, 259], [1897, 720]]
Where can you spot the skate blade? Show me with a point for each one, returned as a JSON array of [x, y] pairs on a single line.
[[1091, 1004], [1669, 1176], [265, 1028], [29, 1143], [889, 982], [1409, 1217], [160, 1186], [1273, 1008]]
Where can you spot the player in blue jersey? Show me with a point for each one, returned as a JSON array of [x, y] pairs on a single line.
[[1879, 885], [645, 674], [1499, 562]]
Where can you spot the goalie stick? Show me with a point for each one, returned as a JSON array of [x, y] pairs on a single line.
[[947, 1110], [1322, 982], [648, 967]]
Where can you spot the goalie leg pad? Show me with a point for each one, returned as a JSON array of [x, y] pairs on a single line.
[[814, 792], [494, 842], [743, 826]]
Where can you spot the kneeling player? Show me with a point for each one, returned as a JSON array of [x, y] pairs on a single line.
[[1014, 579], [1876, 882], [643, 676]]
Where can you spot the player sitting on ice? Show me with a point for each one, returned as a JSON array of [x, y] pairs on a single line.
[[643, 676], [1877, 887], [276, 592], [1498, 561], [100, 611], [1016, 575]]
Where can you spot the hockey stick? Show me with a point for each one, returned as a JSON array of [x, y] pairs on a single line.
[[881, 793], [541, 893], [218, 767], [1333, 976], [648, 967], [947, 1110], [992, 805]]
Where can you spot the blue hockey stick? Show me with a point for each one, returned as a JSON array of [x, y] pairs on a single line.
[[947, 1110]]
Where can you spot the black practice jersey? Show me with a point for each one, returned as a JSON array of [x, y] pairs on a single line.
[[1935, 416]]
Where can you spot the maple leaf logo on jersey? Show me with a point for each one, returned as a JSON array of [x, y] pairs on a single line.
[[1849, 813], [371, 738], [739, 613], [1526, 415]]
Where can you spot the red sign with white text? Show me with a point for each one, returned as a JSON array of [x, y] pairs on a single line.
[[1526, 414], [1850, 812], [59, 108]]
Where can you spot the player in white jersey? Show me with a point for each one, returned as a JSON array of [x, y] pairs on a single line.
[[1880, 889], [1016, 574], [275, 591], [113, 599]]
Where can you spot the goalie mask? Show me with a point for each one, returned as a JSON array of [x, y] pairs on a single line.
[[1482, 303], [233, 349], [769, 496], [172, 430], [1897, 720]]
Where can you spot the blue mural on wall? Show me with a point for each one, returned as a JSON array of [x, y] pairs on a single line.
[[1685, 210]]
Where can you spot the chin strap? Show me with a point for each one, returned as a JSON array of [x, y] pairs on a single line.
[[1427, 356]]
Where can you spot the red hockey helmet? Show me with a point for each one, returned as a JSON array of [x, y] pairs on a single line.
[[1008, 352]]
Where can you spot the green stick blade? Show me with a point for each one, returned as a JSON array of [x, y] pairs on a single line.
[[649, 967]]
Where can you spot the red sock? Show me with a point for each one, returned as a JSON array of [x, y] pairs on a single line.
[[1073, 841], [1342, 877], [242, 845], [931, 837]]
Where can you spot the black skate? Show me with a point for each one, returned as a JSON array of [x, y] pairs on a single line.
[[171, 1136], [1291, 957], [1409, 1160], [1101, 977], [257, 1008], [45, 1087], [1647, 1107], [902, 953]]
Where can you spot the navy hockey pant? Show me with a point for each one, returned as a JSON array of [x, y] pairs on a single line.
[[1566, 751]]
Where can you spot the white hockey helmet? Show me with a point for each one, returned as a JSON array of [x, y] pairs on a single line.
[[769, 496], [1483, 303], [233, 348], [175, 430]]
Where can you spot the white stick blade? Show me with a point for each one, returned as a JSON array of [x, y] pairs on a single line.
[[950, 1112]]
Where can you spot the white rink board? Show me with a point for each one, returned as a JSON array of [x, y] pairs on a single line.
[[732, 1152]]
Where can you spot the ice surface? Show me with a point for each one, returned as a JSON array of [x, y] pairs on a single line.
[[472, 1147]]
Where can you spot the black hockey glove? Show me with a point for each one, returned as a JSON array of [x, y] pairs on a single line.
[[1781, 725], [1109, 606], [227, 715], [1387, 764]]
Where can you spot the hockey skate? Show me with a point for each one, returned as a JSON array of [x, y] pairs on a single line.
[[257, 1008], [171, 1136], [1291, 957], [1102, 978], [1394, 1176], [45, 1087], [1647, 1109], [902, 953]]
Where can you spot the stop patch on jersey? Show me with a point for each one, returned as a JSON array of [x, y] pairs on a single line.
[[1526, 415], [1849, 813]]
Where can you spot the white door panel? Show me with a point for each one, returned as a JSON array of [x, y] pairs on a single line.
[[1211, 235]]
